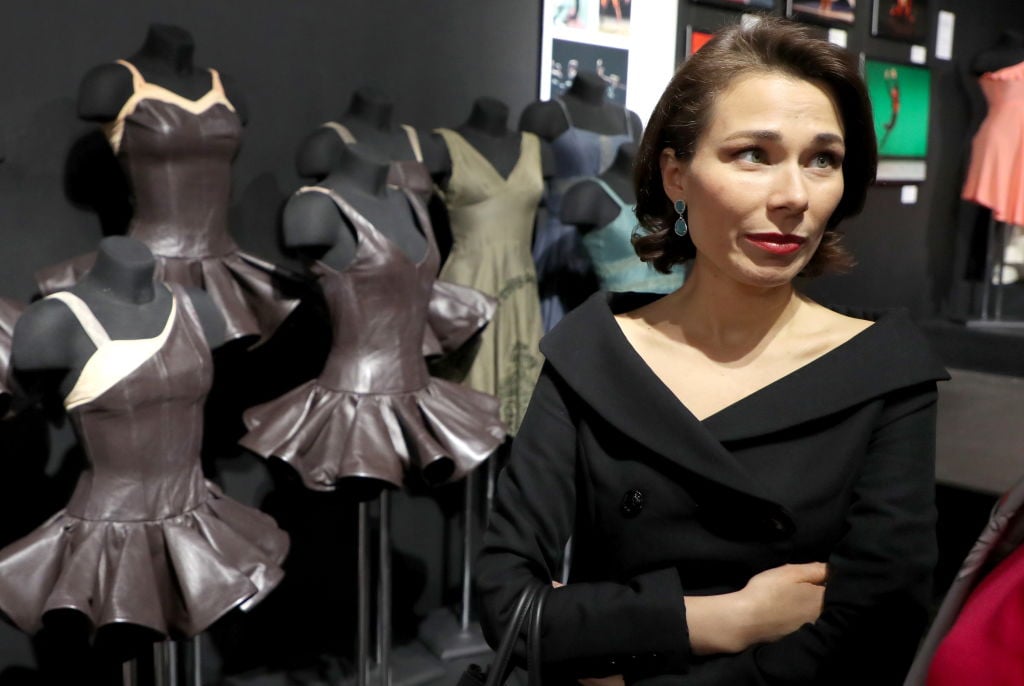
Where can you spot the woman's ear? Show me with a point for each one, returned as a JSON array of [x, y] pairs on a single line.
[[673, 172]]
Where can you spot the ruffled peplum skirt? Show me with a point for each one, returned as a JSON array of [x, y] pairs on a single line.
[[175, 576]]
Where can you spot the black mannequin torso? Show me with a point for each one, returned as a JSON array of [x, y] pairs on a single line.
[[589, 108], [164, 59], [370, 119], [1008, 51], [587, 205], [314, 225], [129, 304]]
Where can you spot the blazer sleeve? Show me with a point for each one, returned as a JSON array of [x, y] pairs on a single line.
[[879, 588], [589, 628]]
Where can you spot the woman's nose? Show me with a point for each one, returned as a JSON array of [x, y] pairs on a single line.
[[789, 191]]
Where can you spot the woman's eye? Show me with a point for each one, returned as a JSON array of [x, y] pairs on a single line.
[[755, 155], [825, 160]]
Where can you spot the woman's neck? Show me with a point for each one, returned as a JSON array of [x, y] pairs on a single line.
[[725, 318], [169, 47], [371, 108]]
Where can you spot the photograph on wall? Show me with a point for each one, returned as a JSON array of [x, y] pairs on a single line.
[[614, 16], [900, 102], [903, 20], [822, 11], [569, 57], [696, 39], [573, 14], [740, 4]]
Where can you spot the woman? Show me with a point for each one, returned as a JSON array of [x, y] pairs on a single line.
[[718, 454]]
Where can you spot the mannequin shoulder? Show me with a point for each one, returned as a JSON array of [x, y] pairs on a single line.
[[44, 336], [636, 125], [318, 152], [586, 204], [235, 97], [544, 118], [310, 219], [103, 91]]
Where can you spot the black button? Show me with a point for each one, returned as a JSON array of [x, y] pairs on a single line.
[[632, 503]]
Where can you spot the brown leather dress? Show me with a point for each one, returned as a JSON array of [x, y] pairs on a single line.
[[374, 411], [9, 313], [177, 155], [410, 174], [145, 539]]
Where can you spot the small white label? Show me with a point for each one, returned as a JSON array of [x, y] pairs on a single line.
[[944, 35], [749, 20], [908, 195], [838, 37], [918, 54]]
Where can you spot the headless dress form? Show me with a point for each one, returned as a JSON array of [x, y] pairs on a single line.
[[564, 271], [177, 155], [617, 265], [492, 219], [374, 411], [145, 539], [412, 174], [995, 177]]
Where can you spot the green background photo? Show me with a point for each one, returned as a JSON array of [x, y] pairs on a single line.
[[909, 135]]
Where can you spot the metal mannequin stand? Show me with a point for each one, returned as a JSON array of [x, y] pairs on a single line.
[[448, 636], [991, 316], [166, 664], [389, 666]]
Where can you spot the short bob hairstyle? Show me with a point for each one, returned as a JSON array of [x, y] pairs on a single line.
[[687, 105]]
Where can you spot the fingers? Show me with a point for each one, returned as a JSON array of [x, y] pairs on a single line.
[[810, 572], [556, 584]]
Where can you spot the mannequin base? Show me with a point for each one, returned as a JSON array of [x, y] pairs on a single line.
[[442, 633], [1005, 325]]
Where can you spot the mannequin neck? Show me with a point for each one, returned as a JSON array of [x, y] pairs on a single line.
[[588, 87], [168, 47], [371, 108], [123, 271], [489, 116], [359, 168]]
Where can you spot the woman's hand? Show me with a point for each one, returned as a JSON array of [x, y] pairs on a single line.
[[774, 603]]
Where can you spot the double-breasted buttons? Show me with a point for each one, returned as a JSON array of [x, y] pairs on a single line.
[[632, 503]]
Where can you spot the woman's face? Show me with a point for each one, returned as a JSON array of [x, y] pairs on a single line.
[[764, 179]]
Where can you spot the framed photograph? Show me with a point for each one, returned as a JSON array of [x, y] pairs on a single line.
[[740, 4], [901, 104], [828, 12], [631, 45], [611, 64], [902, 20], [695, 39]]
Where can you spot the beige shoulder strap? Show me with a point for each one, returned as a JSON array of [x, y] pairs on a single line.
[[343, 133], [414, 142], [138, 81], [86, 319], [215, 84]]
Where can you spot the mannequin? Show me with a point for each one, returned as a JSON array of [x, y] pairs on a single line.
[[601, 208], [370, 120], [145, 541], [175, 131], [585, 130], [995, 175], [9, 313], [492, 186], [166, 59], [377, 262]]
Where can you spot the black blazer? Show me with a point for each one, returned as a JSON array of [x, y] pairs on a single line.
[[832, 462]]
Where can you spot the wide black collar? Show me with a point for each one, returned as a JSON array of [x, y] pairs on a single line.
[[589, 351]]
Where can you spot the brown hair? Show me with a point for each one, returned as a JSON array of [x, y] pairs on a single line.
[[683, 113]]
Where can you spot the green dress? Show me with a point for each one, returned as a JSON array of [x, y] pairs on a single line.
[[492, 226]]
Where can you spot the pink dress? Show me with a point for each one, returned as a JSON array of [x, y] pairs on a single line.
[[995, 178]]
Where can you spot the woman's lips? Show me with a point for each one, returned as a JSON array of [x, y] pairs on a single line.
[[776, 243]]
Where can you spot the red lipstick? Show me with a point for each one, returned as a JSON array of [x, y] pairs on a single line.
[[776, 243]]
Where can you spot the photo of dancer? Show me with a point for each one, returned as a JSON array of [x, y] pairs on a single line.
[[574, 14], [904, 20], [615, 16], [741, 4], [900, 95], [823, 11], [570, 57]]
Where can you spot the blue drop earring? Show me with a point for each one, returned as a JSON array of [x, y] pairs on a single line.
[[681, 229]]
